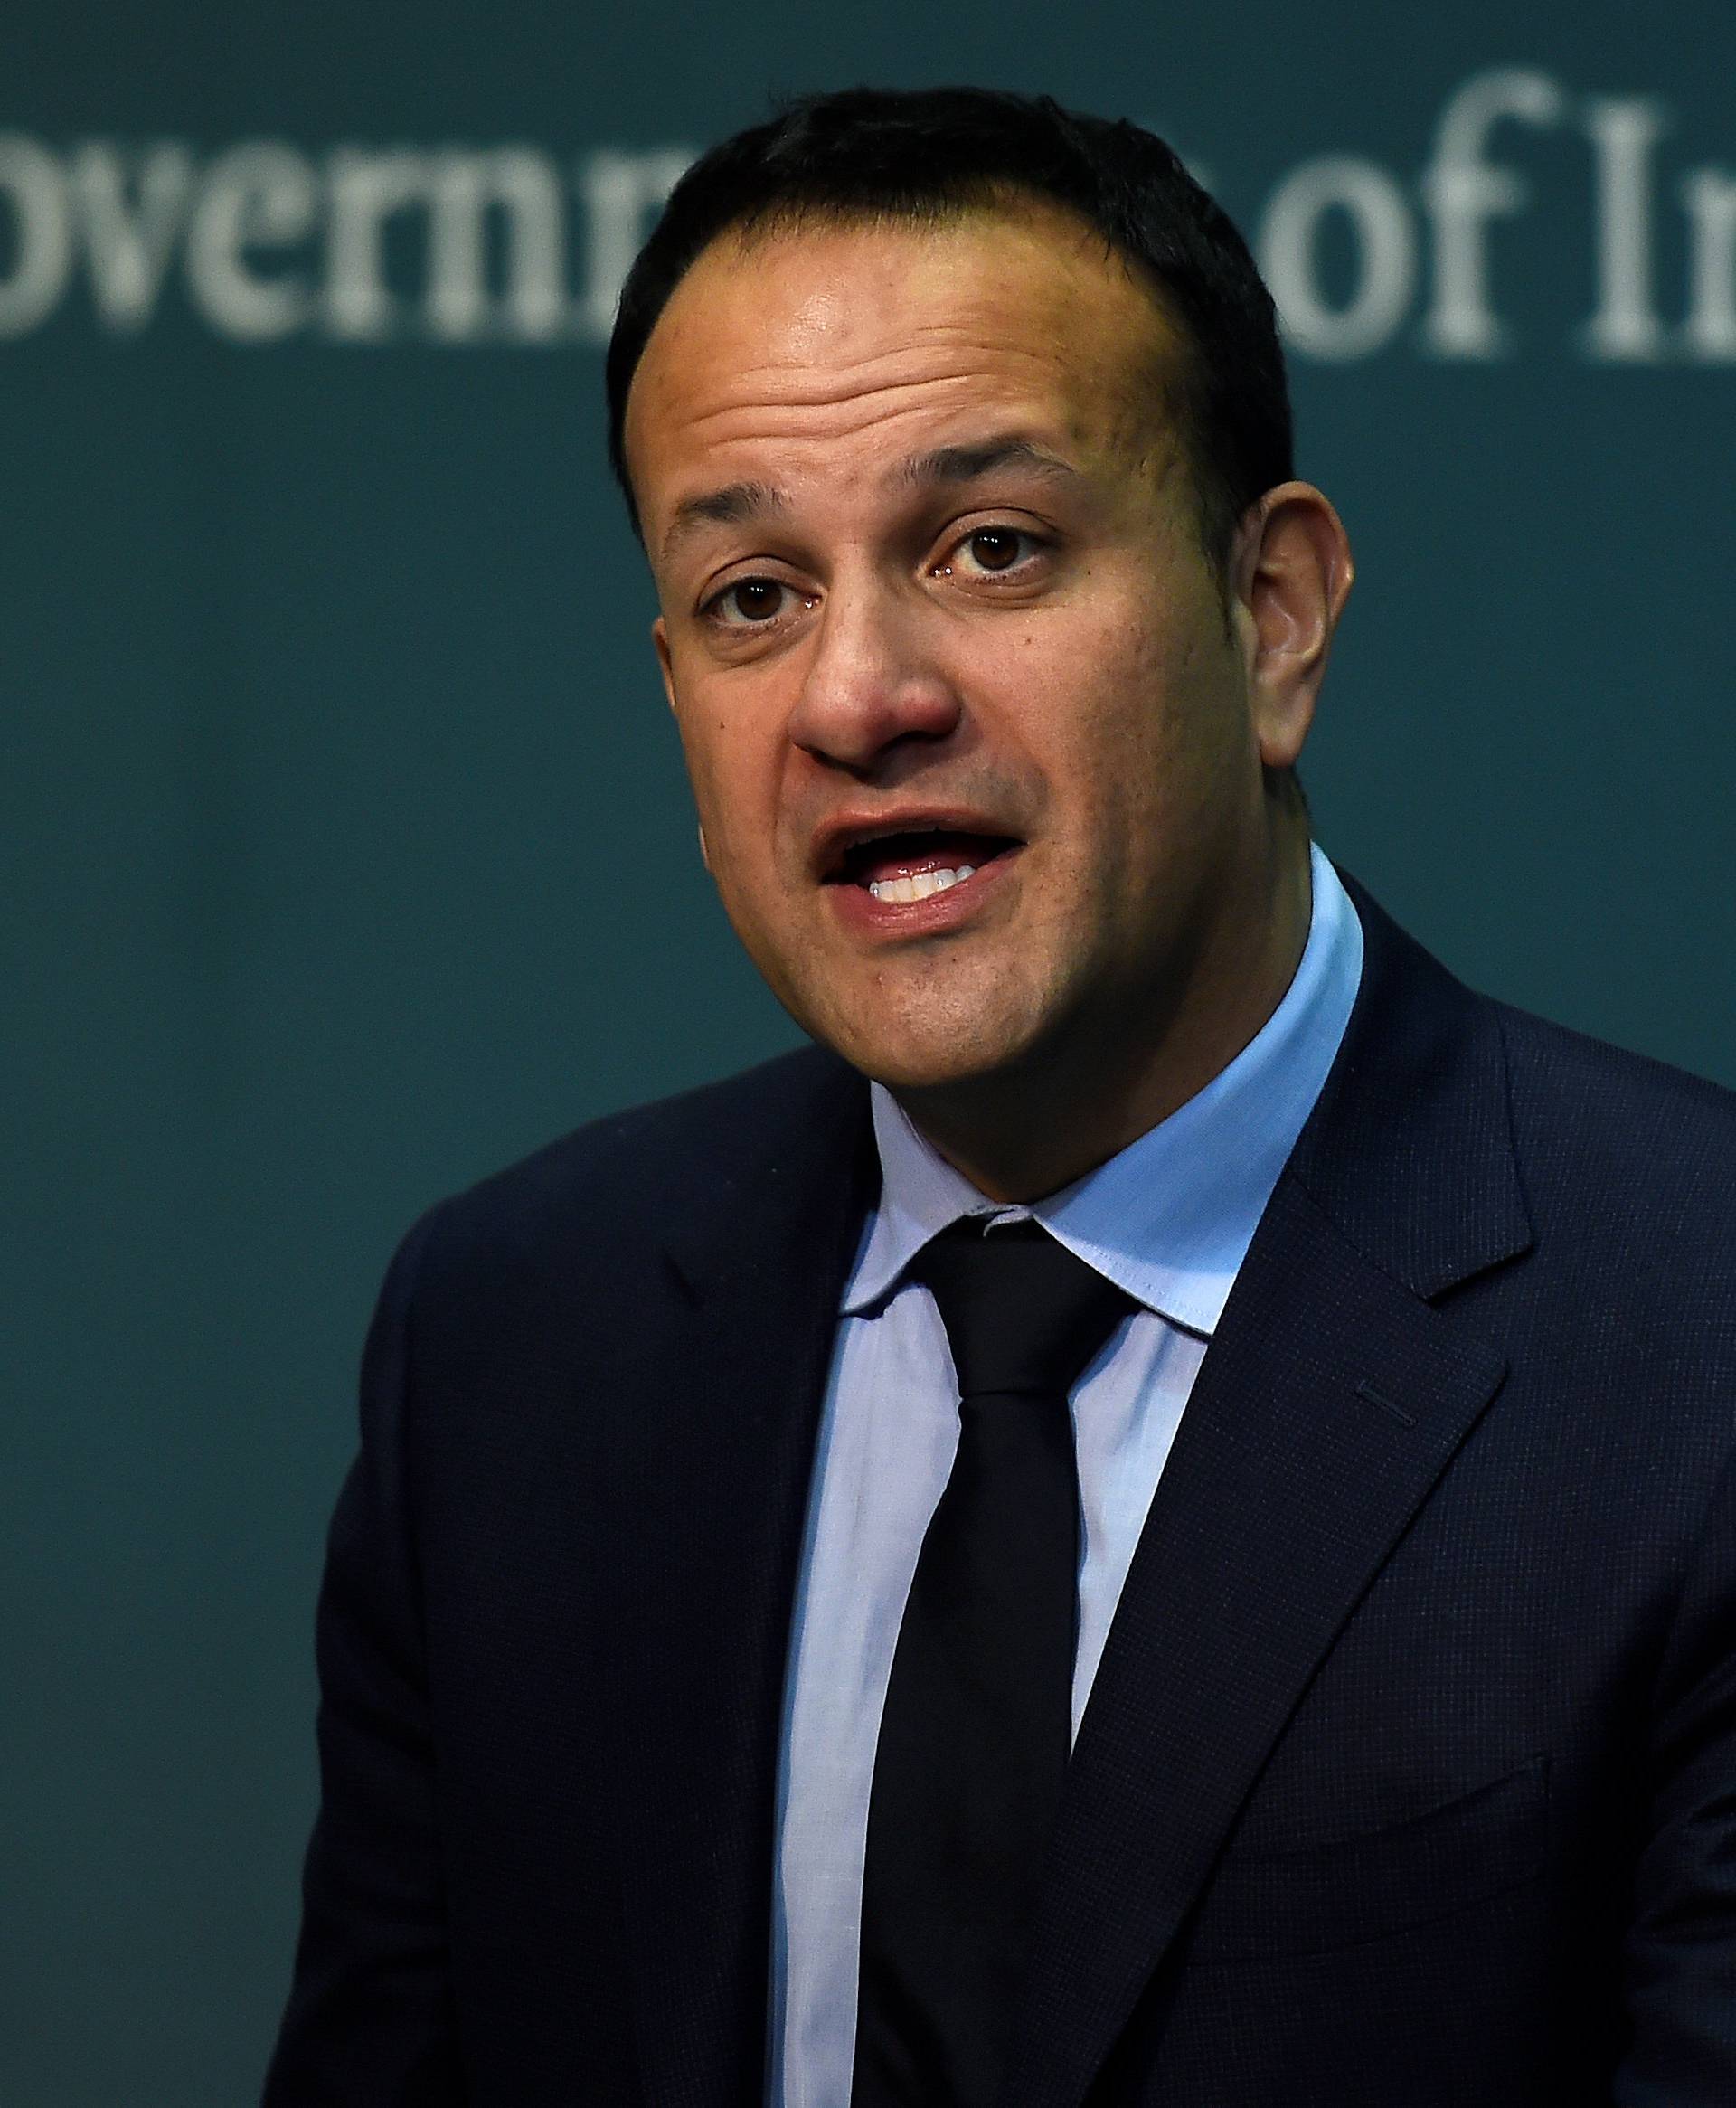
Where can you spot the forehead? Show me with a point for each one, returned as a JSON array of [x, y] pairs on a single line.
[[826, 338]]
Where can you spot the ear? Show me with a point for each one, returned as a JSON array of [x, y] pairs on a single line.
[[1291, 573], [660, 644]]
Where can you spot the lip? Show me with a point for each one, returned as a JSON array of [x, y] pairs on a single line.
[[834, 840], [864, 916]]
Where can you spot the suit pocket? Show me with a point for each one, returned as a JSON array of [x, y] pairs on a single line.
[[1378, 1882]]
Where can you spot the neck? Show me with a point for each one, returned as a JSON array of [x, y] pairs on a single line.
[[1025, 1132]]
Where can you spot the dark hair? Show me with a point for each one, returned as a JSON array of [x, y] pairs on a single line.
[[921, 155]]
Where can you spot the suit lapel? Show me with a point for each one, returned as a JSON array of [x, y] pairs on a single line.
[[727, 1440], [1333, 1396]]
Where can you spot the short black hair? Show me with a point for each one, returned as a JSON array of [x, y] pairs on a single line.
[[926, 153]]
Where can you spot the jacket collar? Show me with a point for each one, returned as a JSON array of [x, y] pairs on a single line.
[[1410, 1149]]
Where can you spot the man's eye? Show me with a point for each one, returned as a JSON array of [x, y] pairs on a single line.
[[995, 548], [750, 601], [988, 550]]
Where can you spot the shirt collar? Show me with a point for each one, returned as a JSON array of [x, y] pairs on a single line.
[[1169, 1219]]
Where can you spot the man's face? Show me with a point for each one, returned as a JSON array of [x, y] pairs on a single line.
[[973, 745]]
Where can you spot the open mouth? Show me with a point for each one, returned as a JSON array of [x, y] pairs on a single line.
[[901, 869]]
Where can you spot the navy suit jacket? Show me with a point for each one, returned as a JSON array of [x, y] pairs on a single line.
[[1409, 1776]]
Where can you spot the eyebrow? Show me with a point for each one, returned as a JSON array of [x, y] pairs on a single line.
[[727, 508], [734, 502], [966, 464]]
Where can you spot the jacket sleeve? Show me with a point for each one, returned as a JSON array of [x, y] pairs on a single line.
[[370, 2020], [1681, 1954]]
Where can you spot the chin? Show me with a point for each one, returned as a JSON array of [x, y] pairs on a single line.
[[942, 1057], [906, 1073], [929, 1030]]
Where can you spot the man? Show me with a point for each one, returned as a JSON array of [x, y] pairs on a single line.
[[1180, 1544]]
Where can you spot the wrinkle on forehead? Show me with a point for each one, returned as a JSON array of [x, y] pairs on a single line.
[[852, 403], [825, 333]]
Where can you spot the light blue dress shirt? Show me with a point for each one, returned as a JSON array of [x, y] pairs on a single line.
[[1168, 1220]]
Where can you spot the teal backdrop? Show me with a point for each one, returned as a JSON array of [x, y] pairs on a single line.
[[347, 852]]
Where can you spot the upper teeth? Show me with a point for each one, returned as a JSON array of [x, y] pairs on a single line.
[[905, 890]]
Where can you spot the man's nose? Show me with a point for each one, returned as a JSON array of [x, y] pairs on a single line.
[[873, 685]]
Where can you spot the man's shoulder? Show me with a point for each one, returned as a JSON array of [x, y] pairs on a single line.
[[1591, 1126], [633, 1175], [1585, 1106], [1628, 1168]]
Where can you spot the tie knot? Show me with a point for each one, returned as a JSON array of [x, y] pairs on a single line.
[[1022, 1313]]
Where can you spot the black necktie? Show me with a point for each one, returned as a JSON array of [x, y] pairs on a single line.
[[974, 1739]]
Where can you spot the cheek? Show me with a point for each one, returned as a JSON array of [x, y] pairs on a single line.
[[1177, 696], [1105, 708], [732, 769], [1147, 742]]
